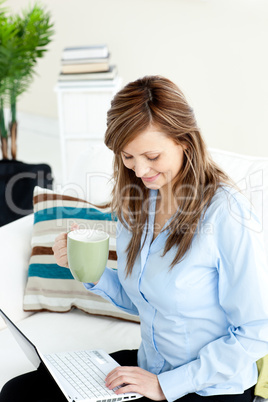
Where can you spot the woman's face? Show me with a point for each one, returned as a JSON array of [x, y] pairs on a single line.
[[154, 157]]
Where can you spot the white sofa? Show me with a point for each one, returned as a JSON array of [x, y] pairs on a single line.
[[77, 330]]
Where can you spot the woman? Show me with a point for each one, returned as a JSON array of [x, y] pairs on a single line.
[[188, 265]]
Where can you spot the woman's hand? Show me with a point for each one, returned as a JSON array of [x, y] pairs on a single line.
[[135, 379], [60, 248]]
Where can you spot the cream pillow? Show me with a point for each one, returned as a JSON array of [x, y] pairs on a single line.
[[49, 286]]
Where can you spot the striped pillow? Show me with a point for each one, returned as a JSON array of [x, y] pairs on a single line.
[[49, 286]]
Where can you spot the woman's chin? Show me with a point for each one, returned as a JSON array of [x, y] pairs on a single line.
[[152, 186]]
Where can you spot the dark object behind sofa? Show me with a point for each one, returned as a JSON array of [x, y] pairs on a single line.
[[17, 182]]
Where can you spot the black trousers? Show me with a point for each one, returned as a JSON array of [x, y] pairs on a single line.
[[39, 386]]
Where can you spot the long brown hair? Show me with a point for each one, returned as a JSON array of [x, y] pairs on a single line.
[[156, 101]]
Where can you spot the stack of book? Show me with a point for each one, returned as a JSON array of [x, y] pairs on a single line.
[[87, 63]]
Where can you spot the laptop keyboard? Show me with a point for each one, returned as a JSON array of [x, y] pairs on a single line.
[[81, 372]]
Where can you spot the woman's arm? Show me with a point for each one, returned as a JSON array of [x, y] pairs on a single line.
[[110, 288], [242, 293]]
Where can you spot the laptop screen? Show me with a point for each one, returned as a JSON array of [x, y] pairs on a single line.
[[26, 345]]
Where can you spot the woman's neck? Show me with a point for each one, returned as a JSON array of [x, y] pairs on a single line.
[[166, 202]]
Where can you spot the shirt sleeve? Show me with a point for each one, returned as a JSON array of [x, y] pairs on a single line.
[[242, 292], [110, 288]]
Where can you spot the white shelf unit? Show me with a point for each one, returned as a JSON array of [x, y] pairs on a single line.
[[82, 109]]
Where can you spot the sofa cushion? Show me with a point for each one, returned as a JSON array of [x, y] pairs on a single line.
[[49, 286], [15, 240]]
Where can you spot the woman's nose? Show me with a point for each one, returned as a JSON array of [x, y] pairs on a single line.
[[141, 168]]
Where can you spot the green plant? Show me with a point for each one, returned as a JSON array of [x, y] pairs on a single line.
[[23, 40], [7, 34]]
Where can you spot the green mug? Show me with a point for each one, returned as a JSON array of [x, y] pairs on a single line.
[[87, 252]]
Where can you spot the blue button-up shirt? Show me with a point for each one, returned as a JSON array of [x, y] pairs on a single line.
[[205, 322]]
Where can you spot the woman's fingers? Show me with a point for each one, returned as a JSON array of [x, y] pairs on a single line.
[[60, 247], [60, 250], [135, 379]]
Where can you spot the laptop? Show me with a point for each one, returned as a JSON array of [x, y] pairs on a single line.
[[80, 375]]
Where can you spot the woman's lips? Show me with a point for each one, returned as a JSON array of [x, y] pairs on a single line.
[[152, 178]]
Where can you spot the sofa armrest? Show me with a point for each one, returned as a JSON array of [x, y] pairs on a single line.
[[15, 250]]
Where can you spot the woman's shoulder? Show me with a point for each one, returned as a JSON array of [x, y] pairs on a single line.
[[229, 194], [228, 201]]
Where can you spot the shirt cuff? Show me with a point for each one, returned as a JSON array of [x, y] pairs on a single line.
[[176, 383], [108, 281]]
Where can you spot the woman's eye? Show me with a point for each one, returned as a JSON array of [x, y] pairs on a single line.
[[153, 159], [149, 159], [127, 157]]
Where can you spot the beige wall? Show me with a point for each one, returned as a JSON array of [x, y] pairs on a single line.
[[215, 50]]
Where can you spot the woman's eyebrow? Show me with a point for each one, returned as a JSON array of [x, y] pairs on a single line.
[[146, 152]]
